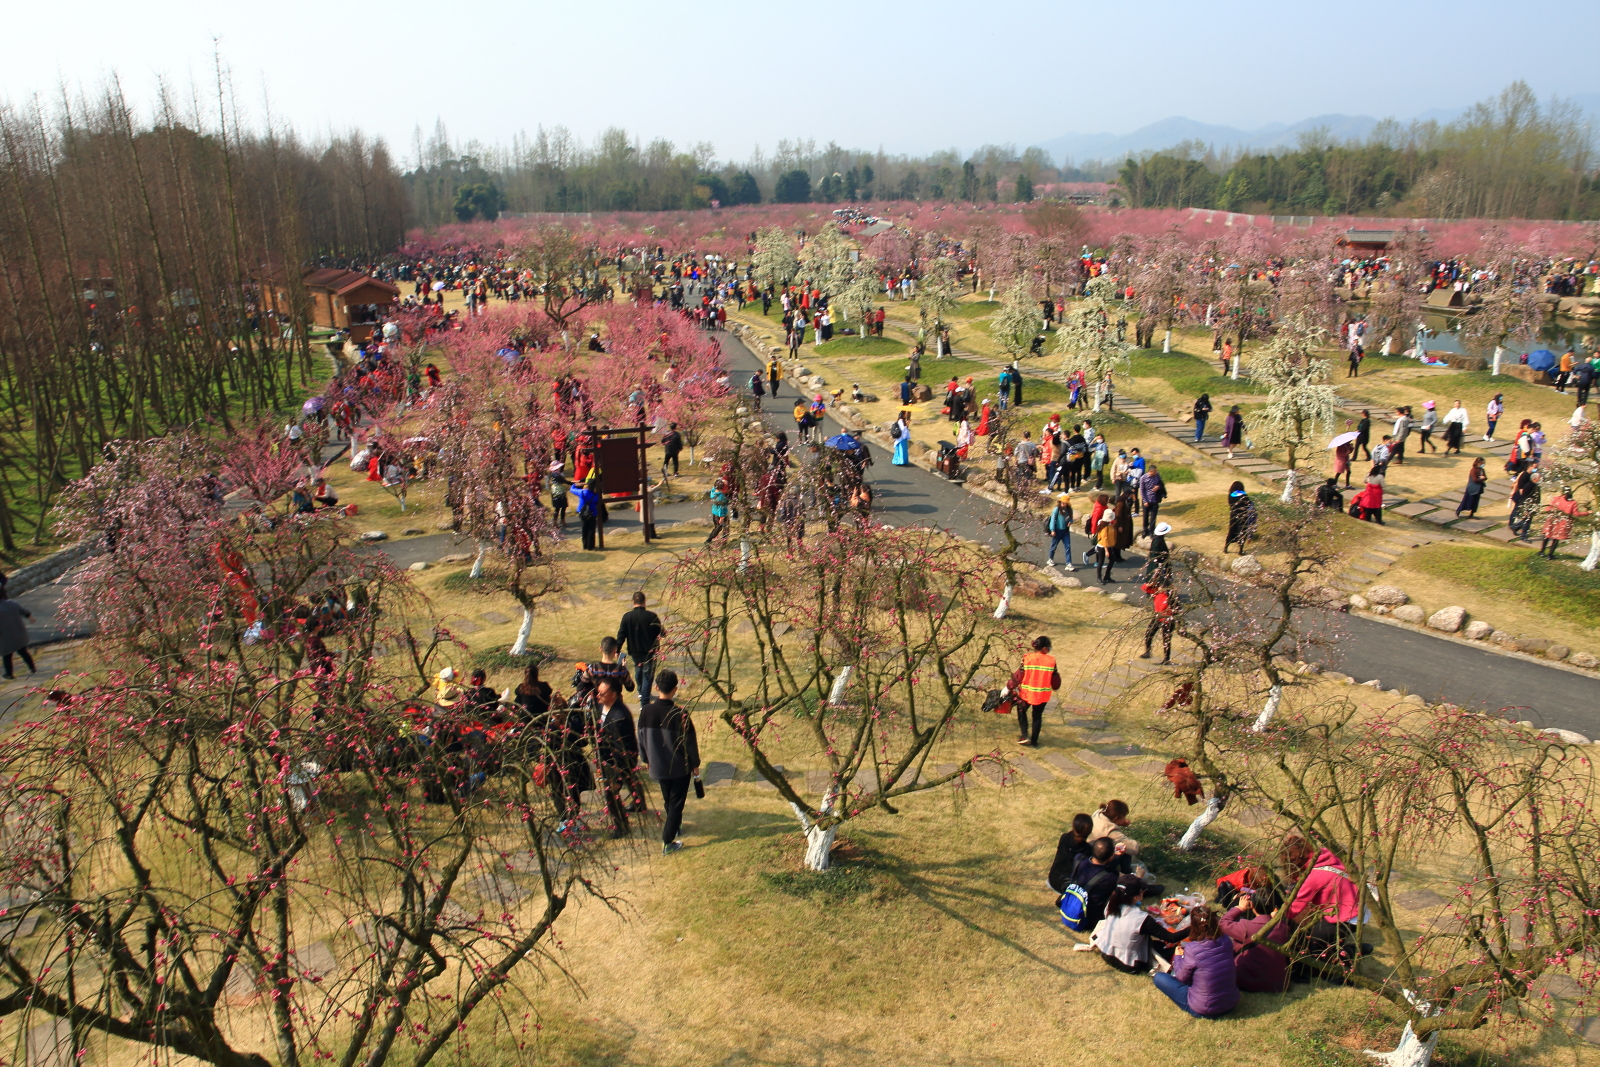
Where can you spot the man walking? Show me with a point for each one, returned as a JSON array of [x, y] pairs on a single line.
[[640, 633], [671, 448], [671, 754], [618, 755], [1152, 491], [1059, 526]]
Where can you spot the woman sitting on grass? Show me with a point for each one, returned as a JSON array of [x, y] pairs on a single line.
[[1123, 937], [1203, 982]]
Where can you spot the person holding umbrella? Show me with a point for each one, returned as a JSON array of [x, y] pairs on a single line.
[[1344, 450]]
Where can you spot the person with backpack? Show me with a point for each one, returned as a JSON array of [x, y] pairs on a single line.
[[1058, 525], [774, 375], [1083, 904], [900, 434], [588, 513], [757, 390]]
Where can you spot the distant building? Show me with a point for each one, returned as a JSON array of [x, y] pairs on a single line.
[[1366, 242]]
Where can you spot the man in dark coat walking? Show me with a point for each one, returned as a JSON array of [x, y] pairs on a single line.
[[671, 753]]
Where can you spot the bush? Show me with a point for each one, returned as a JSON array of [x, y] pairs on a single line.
[[463, 582], [834, 886]]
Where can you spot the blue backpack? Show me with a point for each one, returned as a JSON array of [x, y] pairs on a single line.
[[1075, 904]]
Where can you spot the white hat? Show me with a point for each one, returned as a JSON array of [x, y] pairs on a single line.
[[448, 674], [1163, 528]]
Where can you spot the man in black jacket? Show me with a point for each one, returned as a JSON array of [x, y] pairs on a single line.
[[640, 632], [671, 753], [619, 754]]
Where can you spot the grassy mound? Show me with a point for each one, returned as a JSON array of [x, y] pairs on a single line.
[[1558, 588]]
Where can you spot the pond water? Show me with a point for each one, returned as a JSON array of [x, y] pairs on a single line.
[[1558, 335]]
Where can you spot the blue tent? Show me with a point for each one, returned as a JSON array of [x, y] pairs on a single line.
[[1541, 359], [844, 443]]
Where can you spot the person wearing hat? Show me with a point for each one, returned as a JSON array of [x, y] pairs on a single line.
[[1425, 428], [446, 693], [1158, 561], [1058, 524], [556, 482]]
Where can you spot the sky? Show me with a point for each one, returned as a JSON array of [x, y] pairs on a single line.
[[906, 77]]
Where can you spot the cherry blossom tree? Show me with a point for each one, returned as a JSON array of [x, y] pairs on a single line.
[[937, 292]]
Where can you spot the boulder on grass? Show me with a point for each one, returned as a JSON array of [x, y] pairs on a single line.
[[1034, 587], [1387, 594], [921, 393], [1247, 567], [1536, 645], [374, 535], [1557, 652], [1500, 637], [1411, 613], [1585, 660], [420, 565], [1359, 602], [1477, 630], [1571, 737], [1448, 620]]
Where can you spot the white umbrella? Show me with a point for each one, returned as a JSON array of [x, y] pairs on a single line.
[[1343, 439]]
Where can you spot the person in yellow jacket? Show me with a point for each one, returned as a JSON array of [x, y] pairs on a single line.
[[1030, 688]]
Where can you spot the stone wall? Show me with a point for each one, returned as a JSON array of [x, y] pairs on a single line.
[[44, 571]]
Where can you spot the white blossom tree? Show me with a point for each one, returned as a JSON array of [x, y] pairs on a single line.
[[774, 261], [937, 291], [1086, 339], [1577, 464], [1301, 399], [1018, 321]]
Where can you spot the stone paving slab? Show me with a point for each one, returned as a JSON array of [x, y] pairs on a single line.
[[1474, 525], [1440, 517], [1095, 760], [1031, 769], [494, 618], [760, 781], [1253, 816], [317, 960], [1502, 534], [818, 781], [1149, 766], [1412, 511], [1061, 763], [1418, 899], [462, 626], [990, 771], [718, 774]]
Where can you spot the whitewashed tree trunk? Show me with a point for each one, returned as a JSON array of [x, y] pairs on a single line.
[[744, 554], [836, 694], [1288, 488], [1494, 368], [1004, 607], [1201, 821], [1273, 697], [1235, 374], [1388, 342], [520, 646], [1412, 1051], [1166, 343], [819, 842], [477, 564], [1208, 314], [1592, 560]]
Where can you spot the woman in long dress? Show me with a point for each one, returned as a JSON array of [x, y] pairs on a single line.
[[902, 440], [983, 421], [1241, 518]]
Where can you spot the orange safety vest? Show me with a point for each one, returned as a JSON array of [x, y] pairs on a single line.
[[1037, 671]]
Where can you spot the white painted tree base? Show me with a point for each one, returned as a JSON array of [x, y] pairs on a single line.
[[1288, 488], [1411, 1052], [1274, 695], [819, 842], [477, 564], [520, 646], [1201, 821], [836, 694], [1592, 560], [1004, 607]]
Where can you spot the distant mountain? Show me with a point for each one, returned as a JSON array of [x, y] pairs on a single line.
[[1078, 147], [1110, 147]]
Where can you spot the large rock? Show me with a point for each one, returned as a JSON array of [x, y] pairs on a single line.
[[1247, 567], [1477, 630], [1536, 645], [1359, 602], [801, 371], [1074, 583], [374, 535], [1585, 660], [921, 393], [420, 565], [1034, 587], [1411, 613], [1448, 619], [458, 557], [1571, 737], [1557, 652], [1387, 594]]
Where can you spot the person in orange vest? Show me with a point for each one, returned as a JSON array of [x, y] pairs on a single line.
[[1030, 688], [1163, 617]]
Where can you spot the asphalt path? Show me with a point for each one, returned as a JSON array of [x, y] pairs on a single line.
[[1434, 668]]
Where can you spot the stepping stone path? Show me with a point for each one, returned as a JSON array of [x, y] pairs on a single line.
[[760, 782], [718, 774], [1095, 760], [494, 618], [316, 960], [1061, 763], [1418, 899], [50, 1044], [1251, 817], [1031, 769]]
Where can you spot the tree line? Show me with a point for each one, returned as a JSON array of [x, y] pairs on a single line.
[[1509, 157], [149, 276]]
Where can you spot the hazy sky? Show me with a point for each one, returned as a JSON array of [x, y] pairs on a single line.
[[910, 77]]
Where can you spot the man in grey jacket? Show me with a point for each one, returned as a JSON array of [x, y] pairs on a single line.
[[671, 753]]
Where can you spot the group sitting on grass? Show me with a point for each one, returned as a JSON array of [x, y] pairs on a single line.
[[1199, 957]]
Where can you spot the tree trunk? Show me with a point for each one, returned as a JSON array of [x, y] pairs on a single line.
[[1412, 1051], [1494, 368], [477, 564], [1166, 342], [836, 694], [1288, 487], [819, 841], [520, 646], [1274, 695], [1004, 607], [1201, 821], [1592, 560]]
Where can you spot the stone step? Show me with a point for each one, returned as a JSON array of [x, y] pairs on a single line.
[[1062, 764]]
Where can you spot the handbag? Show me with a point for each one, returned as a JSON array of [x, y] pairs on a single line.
[[699, 788]]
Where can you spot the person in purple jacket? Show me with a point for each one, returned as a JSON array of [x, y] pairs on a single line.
[[1202, 981]]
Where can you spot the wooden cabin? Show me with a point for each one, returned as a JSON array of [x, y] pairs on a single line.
[[347, 299]]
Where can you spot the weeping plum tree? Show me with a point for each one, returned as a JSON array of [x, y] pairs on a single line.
[[1087, 341], [1379, 789], [860, 646], [1576, 464], [220, 826], [1237, 629], [1301, 399]]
